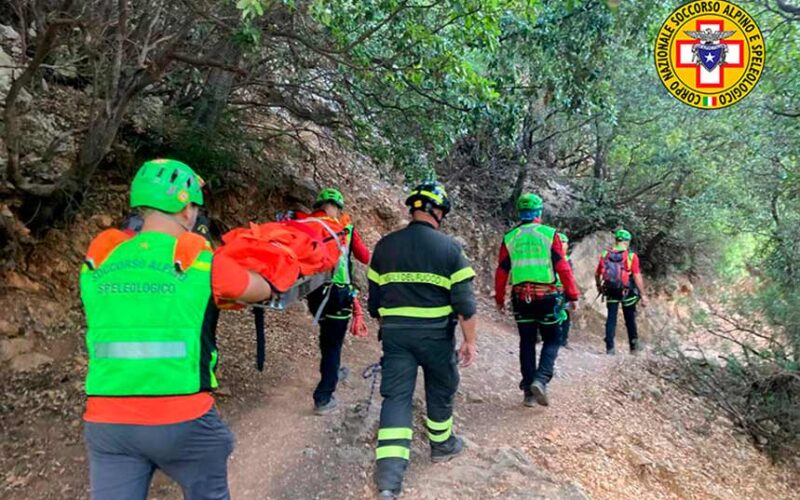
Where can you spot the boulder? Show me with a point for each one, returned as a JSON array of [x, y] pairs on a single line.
[[7, 74], [8, 33], [11, 348], [30, 361]]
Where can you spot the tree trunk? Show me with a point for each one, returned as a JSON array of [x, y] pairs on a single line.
[[218, 87]]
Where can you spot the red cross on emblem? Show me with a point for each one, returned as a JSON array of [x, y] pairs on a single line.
[[716, 77]]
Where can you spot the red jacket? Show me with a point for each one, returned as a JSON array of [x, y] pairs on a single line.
[[560, 264]]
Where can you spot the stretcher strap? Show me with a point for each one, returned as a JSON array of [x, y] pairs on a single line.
[[261, 338]]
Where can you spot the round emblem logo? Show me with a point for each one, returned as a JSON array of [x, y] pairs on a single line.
[[183, 196], [709, 55]]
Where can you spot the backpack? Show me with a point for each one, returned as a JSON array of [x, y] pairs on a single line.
[[616, 271]]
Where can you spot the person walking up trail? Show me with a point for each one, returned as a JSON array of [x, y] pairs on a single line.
[[150, 302], [420, 286], [619, 279], [340, 294], [533, 255]]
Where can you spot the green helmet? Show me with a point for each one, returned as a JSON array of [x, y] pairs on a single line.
[[563, 238], [166, 185], [429, 195], [529, 201], [623, 235], [329, 195]]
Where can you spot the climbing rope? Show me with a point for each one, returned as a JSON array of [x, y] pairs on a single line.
[[358, 327], [371, 371]]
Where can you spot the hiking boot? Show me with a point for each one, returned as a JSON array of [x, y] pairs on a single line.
[[566, 345], [325, 408], [343, 374], [389, 494], [529, 400], [540, 393], [448, 450], [635, 347], [611, 351]]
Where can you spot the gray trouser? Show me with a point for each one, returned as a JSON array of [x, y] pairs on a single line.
[[123, 458]]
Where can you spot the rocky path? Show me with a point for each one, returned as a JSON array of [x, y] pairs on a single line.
[[613, 430]]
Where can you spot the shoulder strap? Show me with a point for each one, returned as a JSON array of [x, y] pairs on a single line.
[[102, 246], [187, 249]]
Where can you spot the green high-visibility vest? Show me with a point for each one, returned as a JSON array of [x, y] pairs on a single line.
[[529, 247], [147, 333], [341, 276]]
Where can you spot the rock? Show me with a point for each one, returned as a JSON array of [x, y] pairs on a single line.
[[16, 280], [8, 33], [655, 392], [148, 114], [30, 361], [11, 348], [223, 391], [7, 74], [8, 329], [102, 220], [473, 397]]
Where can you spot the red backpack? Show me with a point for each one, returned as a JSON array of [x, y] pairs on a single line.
[[617, 270]]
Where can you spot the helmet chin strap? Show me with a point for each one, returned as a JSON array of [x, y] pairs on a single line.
[[430, 211], [178, 221]]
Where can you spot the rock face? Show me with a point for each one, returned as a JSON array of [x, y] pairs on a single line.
[[585, 255]]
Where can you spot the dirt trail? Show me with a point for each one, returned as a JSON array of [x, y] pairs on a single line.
[[613, 430]]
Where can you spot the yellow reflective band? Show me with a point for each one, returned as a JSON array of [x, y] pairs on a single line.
[[418, 278], [461, 275], [440, 438], [392, 452], [435, 197], [372, 275], [416, 312], [395, 433], [201, 266], [439, 426]]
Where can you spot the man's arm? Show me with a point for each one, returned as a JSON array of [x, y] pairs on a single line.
[[469, 348], [638, 280], [232, 282], [501, 276], [373, 294], [598, 276], [564, 270], [360, 250], [257, 289]]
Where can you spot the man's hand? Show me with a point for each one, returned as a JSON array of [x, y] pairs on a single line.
[[573, 305], [599, 287], [467, 353], [500, 307], [644, 301]]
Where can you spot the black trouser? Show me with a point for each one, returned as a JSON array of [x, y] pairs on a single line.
[[565, 329], [629, 312], [543, 315], [405, 349], [332, 331]]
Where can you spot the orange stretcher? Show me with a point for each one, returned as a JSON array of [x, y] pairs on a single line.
[[296, 256], [283, 252]]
